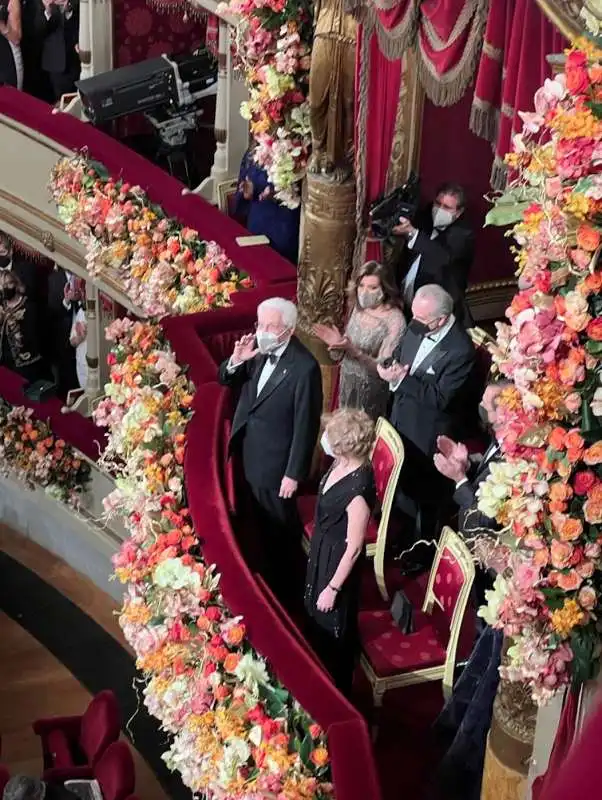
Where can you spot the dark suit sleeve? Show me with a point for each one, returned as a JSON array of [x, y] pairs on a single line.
[[471, 520], [308, 409], [440, 392], [236, 378], [53, 22], [456, 246]]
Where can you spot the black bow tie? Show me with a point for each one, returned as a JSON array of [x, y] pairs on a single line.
[[272, 358]]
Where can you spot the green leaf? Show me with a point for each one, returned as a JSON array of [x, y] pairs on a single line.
[[305, 750], [586, 649], [554, 597], [503, 214], [596, 108], [593, 347]]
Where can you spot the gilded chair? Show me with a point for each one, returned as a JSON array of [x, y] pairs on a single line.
[[442, 629], [387, 458], [225, 194]]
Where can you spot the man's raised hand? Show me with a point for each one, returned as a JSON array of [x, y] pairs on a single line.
[[245, 349]]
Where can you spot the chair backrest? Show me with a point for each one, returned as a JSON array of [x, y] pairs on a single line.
[[100, 725], [225, 192], [115, 772], [387, 459], [447, 594], [4, 778]]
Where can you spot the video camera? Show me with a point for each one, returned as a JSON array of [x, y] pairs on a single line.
[[401, 202]]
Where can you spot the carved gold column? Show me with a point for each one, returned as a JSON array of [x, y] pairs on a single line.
[[325, 263], [509, 744]]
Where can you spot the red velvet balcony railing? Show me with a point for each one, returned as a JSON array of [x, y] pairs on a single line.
[[201, 340]]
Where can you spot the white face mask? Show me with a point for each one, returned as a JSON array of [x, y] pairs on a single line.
[[325, 445], [442, 218], [369, 298], [267, 341]]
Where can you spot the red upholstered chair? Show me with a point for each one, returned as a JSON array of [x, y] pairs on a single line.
[[71, 746], [387, 458], [4, 778], [115, 772], [391, 659]]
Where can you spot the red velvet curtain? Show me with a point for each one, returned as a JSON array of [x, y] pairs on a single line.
[[512, 67]]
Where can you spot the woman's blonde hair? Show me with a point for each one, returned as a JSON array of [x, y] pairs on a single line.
[[350, 432]]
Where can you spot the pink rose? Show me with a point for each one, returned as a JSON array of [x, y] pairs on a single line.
[[573, 402], [587, 598], [561, 554], [592, 550], [580, 258], [553, 187]]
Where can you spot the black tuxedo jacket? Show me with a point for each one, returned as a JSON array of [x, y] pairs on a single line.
[[446, 260], [430, 402], [472, 521], [61, 36], [277, 430]]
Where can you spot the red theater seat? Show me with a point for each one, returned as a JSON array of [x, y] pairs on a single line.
[[4, 778], [115, 772], [71, 746]]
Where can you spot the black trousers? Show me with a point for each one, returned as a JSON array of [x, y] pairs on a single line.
[[63, 82], [279, 531]]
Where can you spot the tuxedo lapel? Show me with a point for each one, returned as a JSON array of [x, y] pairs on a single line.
[[432, 358], [281, 372], [408, 348]]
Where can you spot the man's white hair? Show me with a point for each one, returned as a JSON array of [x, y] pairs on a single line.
[[287, 309], [440, 300]]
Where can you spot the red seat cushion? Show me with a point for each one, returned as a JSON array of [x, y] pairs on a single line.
[[306, 505], [58, 745], [390, 652]]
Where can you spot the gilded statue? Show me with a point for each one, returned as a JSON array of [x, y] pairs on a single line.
[[331, 91]]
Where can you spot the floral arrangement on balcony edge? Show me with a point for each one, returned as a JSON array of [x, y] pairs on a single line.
[[273, 41], [166, 268], [31, 453], [237, 732], [547, 492]]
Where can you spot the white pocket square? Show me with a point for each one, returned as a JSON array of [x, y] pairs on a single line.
[[430, 371]]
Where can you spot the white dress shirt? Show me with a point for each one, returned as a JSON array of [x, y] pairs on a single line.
[[268, 367], [410, 278], [427, 345]]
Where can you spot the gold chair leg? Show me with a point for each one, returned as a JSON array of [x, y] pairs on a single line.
[[377, 697]]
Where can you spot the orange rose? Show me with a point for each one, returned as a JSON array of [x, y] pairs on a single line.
[[556, 438], [592, 511], [593, 454], [221, 692], [235, 635], [574, 440], [594, 282], [561, 553], [570, 529], [595, 73], [231, 662], [569, 581], [560, 491], [588, 238], [319, 756]]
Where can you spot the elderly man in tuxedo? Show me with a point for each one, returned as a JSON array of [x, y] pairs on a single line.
[[439, 248], [275, 428], [429, 377]]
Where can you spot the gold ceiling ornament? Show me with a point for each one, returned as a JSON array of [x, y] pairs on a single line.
[[566, 15]]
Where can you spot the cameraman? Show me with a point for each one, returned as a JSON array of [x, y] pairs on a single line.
[[438, 249], [11, 63], [60, 57]]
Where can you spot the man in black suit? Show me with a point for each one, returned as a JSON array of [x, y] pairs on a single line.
[[429, 378], [275, 428], [438, 249], [60, 58]]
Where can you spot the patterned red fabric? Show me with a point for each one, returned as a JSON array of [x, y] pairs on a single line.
[[449, 580], [390, 652], [115, 772], [383, 462]]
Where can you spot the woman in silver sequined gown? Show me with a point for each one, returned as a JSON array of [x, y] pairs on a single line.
[[375, 326]]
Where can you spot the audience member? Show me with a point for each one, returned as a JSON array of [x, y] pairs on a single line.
[[438, 249], [428, 378], [79, 329], [60, 58], [275, 427], [22, 787], [19, 340], [261, 214], [11, 62], [375, 326], [346, 498], [59, 319]]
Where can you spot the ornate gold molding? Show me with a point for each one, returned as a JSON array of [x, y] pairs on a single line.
[[564, 15], [490, 299], [405, 149]]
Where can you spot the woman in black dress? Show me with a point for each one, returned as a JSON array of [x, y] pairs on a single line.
[[345, 501]]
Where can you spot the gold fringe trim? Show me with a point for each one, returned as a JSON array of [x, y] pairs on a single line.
[[499, 174], [484, 120], [494, 53], [448, 89], [183, 7], [394, 42]]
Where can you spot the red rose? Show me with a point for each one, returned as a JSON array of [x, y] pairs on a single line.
[[213, 613], [577, 79], [583, 481], [594, 329]]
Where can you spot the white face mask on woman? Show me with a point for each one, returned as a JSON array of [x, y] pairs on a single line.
[[325, 445], [369, 298]]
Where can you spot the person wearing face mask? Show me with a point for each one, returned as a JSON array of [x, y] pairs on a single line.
[[430, 379], [346, 499], [275, 430], [439, 248], [19, 341], [375, 326]]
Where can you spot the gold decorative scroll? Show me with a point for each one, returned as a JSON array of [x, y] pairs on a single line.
[[564, 15]]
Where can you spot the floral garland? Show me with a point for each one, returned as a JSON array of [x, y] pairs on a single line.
[[273, 42], [166, 268], [237, 732], [547, 494], [31, 453]]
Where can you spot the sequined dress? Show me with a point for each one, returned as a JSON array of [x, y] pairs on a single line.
[[376, 336], [336, 631]]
